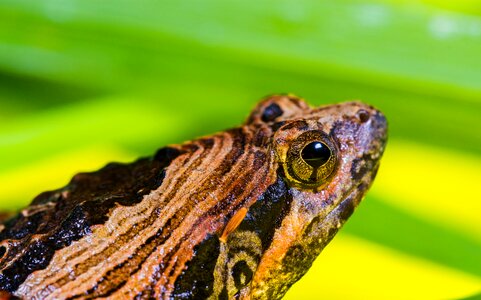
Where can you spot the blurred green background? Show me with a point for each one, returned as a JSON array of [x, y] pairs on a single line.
[[87, 82]]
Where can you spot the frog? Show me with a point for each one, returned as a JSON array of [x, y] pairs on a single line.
[[240, 214]]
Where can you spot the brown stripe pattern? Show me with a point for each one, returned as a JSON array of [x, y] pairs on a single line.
[[141, 249]]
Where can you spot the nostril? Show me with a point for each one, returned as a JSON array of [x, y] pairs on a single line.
[[363, 115]]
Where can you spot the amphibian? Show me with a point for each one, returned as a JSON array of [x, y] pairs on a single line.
[[240, 214]]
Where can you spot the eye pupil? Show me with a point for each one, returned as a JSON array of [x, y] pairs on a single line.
[[316, 154]]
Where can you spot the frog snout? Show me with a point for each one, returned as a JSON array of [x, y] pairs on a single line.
[[378, 130], [379, 127]]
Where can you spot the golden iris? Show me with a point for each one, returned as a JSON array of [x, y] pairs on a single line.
[[311, 159]]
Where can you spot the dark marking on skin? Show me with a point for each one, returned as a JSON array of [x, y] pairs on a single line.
[[191, 148], [207, 142], [269, 209], [346, 208], [20, 226], [238, 244], [165, 155], [271, 112], [17, 272], [72, 229], [196, 281], [3, 251], [41, 252], [362, 188], [87, 201], [332, 232], [311, 226], [360, 166], [277, 125], [313, 230], [224, 294], [242, 274]]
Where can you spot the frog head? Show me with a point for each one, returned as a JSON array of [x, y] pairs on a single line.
[[326, 159]]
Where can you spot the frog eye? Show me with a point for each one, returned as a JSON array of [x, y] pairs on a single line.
[[271, 112], [311, 159], [316, 154]]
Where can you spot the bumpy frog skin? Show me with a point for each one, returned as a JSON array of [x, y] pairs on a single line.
[[240, 214]]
